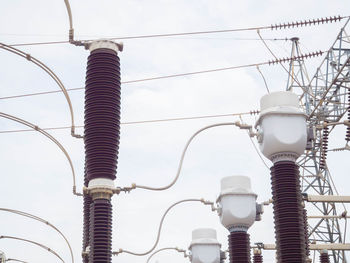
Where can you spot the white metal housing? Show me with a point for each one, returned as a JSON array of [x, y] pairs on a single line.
[[204, 246], [281, 124], [237, 202]]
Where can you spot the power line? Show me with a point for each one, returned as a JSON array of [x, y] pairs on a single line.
[[271, 62], [253, 112], [271, 27], [144, 79]]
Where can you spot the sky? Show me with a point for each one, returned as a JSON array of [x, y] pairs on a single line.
[[36, 177]]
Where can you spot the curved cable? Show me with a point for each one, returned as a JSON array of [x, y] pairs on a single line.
[[16, 260], [21, 213], [183, 156], [160, 227], [51, 74], [167, 248], [35, 127], [35, 243]]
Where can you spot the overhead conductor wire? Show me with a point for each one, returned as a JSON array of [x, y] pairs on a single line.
[[51, 74], [310, 22], [21, 213], [34, 243], [271, 62], [35, 127], [145, 121]]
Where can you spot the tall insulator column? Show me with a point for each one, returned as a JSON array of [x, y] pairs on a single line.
[[306, 232], [237, 213], [239, 247], [257, 257], [282, 136], [324, 257], [101, 137]]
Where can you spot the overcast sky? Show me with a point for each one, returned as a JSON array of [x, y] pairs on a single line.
[[36, 177]]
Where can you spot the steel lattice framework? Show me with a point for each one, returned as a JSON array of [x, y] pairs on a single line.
[[326, 99]]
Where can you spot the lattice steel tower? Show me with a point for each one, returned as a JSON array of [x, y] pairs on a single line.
[[326, 98]]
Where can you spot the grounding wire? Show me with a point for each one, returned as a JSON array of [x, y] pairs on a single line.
[[37, 218], [35, 243], [35, 127], [271, 27], [166, 248], [144, 121], [51, 74], [115, 253]]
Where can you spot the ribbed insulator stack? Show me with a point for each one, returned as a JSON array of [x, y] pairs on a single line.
[[288, 212], [347, 137], [324, 257], [87, 200], [324, 147], [101, 137], [306, 232], [102, 114], [239, 247], [257, 257], [100, 231]]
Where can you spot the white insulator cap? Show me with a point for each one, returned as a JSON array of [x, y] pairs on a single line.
[[205, 247], [281, 125], [105, 44], [237, 202], [2, 257], [101, 183]]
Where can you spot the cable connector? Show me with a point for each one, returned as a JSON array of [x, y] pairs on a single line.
[[116, 253], [212, 205], [118, 190], [75, 191]]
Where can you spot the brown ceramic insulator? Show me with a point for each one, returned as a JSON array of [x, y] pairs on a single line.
[[257, 258], [306, 232], [87, 200], [347, 137], [239, 247], [288, 212], [100, 231], [324, 258], [324, 147], [102, 114]]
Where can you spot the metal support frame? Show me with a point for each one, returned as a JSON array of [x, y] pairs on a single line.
[[325, 101]]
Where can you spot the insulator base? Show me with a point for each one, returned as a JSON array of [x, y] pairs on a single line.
[[324, 258], [239, 247], [288, 213], [100, 231]]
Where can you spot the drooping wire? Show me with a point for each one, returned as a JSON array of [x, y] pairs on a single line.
[[134, 185], [35, 127], [34, 243], [271, 27], [37, 218], [252, 112], [262, 75], [51, 74], [16, 260], [255, 148], [115, 253]]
